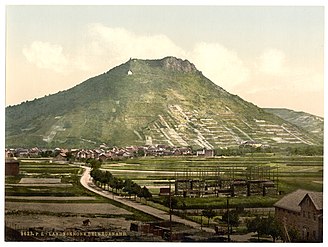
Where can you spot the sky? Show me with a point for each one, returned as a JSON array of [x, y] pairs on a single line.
[[271, 56]]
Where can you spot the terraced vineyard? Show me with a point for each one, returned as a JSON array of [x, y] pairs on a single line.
[[189, 127]]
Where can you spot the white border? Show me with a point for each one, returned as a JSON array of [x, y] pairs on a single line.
[[159, 2]]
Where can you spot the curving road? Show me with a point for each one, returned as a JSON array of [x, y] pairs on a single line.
[[86, 182]]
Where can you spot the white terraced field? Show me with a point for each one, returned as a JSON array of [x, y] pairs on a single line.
[[186, 127]]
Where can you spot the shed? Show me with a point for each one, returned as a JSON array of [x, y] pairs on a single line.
[[12, 167]]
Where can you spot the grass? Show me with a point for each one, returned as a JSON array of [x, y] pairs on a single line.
[[46, 170], [221, 202], [75, 190], [181, 164], [288, 184], [43, 172], [137, 214], [67, 214], [13, 179], [294, 172], [100, 200], [188, 163], [49, 170]]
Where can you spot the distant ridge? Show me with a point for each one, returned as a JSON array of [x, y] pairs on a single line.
[[309, 122]]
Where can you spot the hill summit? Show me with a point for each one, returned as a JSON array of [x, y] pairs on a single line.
[[176, 64], [147, 102]]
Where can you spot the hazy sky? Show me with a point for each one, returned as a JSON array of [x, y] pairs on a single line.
[[270, 56]]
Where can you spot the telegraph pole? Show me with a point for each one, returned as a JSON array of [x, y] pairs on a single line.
[[228, 219], [170, 200]]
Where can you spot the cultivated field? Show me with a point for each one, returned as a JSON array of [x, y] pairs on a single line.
[[49, 196], [288, 173], [293, 172], [70, 208], [61, 223]]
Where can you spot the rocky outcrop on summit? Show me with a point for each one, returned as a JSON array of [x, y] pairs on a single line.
[[177, 64]]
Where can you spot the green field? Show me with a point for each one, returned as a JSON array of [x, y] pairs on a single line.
[[69, 175], [292, 172]]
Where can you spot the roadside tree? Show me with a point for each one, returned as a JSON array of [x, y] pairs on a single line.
[[233, 218], [145, 193], [209, 213]]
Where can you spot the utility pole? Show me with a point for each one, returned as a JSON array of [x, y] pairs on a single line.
[[170, 200], [228, 219], [277, 179]]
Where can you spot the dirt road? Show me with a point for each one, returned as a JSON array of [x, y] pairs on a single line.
[[86, 182]]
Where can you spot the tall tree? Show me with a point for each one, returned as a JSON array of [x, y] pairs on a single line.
[[136, 190], [113, 183], [109, 177], [209, 213], [265, 226], [145, 193], [128, 183], [119, 184], [254, 225], [272, 227], [233, 218]]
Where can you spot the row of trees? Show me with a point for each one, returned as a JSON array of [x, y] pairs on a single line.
[[306, 150], [106, 179]]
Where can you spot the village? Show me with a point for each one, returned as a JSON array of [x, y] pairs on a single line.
[[104, 153]]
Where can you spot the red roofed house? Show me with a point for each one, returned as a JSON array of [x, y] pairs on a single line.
[[302, 210]]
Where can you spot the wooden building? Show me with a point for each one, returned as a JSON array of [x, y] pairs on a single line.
[[11, 167]]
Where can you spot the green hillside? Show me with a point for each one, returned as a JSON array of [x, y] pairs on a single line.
[[309, 122], [140, 102]]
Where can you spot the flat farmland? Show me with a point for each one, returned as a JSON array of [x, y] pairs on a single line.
[[293, 172], [70, 208], [44, 179], [61, 223], [50, 196]]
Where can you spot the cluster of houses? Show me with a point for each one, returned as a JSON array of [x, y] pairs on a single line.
[[104, 153]]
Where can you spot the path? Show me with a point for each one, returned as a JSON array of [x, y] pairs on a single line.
[[86, 182]]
